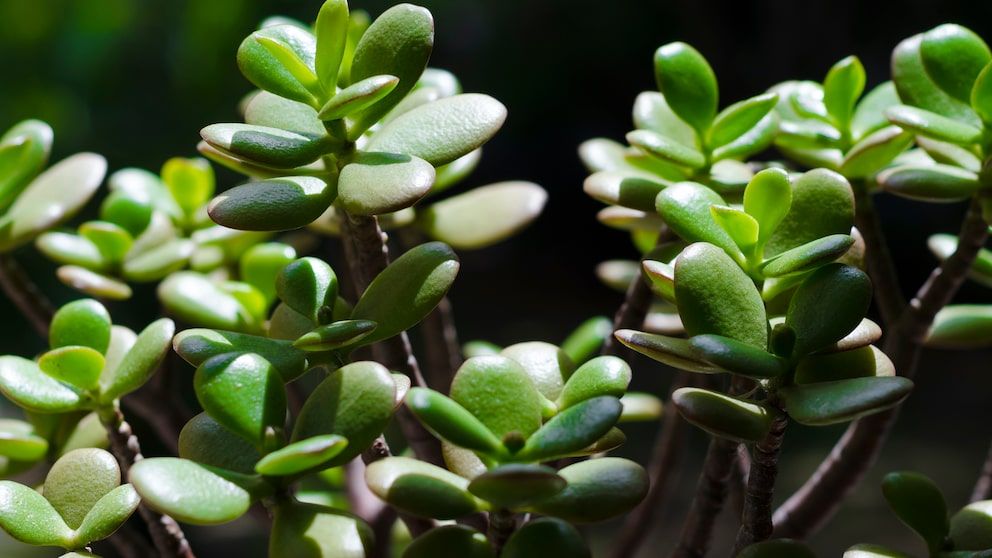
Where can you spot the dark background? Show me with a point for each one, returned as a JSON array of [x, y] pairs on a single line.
[[135, 80]]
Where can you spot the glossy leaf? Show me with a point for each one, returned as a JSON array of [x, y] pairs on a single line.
[[808, 257], [301, 530], [244, 393], [875, 151], [28, 517], [331, 35], [398, 43], [667, 149], [862, 362], [583, 342], [140, 362], [273, 205], [685, 206], [266, 71], [598, 489], [450, 541], [918, 503], [604, 375], [953, 56], [920, 89], [458, 125], [407, 290], [741, 227], [722, 415], [301, 456], [737, 357], [355, 402], [197, 345], [267, 146], [873, 551], [194, 493], [514, 486], [310, 287], [500, 393], [272, 111], [450, 421], [674, 351], [933, 183], [688, 83], [767, 199], [822, 204], [843, 400], [572, 429], [421, 489], [971, 526], [26, 385], [335, 335], [205, 441], [932, 125], [196, 299], [78, 480], [190, 182], [816, 313], [108, 514], [508, 208], [374, 183], [651, 112], [357, 97], [715, 296], [79, 367], [54, 196], [66, 248], [83, 322], [546, 536], [18, 441], [546, 364], [739, 118], [623, 189], [981, 95], [841, 88], [24, 150]]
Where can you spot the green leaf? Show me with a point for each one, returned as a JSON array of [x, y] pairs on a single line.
[[66, 248], [301, 530], [918, 503], [667, 149], [514, 486], [331, 34], [822, 204], [572, 429], [26, 385], [546, 364], [194, 493], [724, 416], [374, 183], [828, 305], [357, 97], [264, 145], [918, 88], [158, 262], [546, 536], [841, 88], [949, 154], [450, 421], [604, 375], [961, 326], [333, 336], [54, 196], [458, 125], [952, 57], [273, 205], [843, 400], [197, 345], [83, 322], [585, 340], [244, 393], [651, 112], [873, 551], [767, 199], [78, 480], [862, 362], [869, 113], [267, 69], [450, 541], [714, 295], [132, 214], [421, 489], [299, 457], [194, 298], [205, 441], [18, 441], [741, 227], [688, 83], [190, 181], [598, 489], [971, 526], [981, 95], [77, 366], [673, 351], [751, 142], [685, 207], [933, 183], [355, 401], [736, 357], [623, 189], [111, 240], [28, 517], [140, 362], [508, 207], [498, 391], [807, 257], [407, 290], [739, 118], [398, 43], [875, 151], [272, 111], [24, 151], [933, 125], [261, 265], [310, 287], [108, 514]]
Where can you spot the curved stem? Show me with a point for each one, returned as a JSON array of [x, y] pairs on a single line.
[[169, 539], [662, 472], [25, 294], [756, 521], [711, 493], [881, 268], [819, 498]]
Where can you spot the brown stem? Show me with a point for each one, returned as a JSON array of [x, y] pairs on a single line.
[[810, 507], [881, 268], [502, 524], [31, 302], [983, 486], [441, 346], [711, 493], [662, 471], [756, 521], [166, 534]]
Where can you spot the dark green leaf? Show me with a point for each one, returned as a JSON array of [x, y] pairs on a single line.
[[450, 541], [673, 351], [807, 257], [273, 205], [919, 504], [933, 183], [843, 400], [197, 345], [572, 429], [244, 393], [420, 488], [971, 526], [685, 206], [500, 393], [546, 536], [310, 287], [598, 489], [450, 421], [604, 375], [822, 204], [722, 415], [952, 57], [737, 357], [875, 151], [267, 71], [514, 486], [828, 305], [205, 441]]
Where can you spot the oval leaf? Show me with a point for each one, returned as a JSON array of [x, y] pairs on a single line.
[[420, 488], [280, 204], [508, 207], [843, 400], [194, 493], [374, 183], [598, 489], [244, 393], [723, 416]]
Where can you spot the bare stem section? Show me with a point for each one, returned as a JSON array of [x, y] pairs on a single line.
[[756, 522]]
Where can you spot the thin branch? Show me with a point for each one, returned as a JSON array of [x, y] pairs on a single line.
[[441, 346], [166, 534], [881, 268], [983, 487], [31, 302], [810, 507], [756, 521], [711, 493], [662, 471]]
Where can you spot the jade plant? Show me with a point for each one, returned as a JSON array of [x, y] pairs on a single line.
[[317, 387]]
